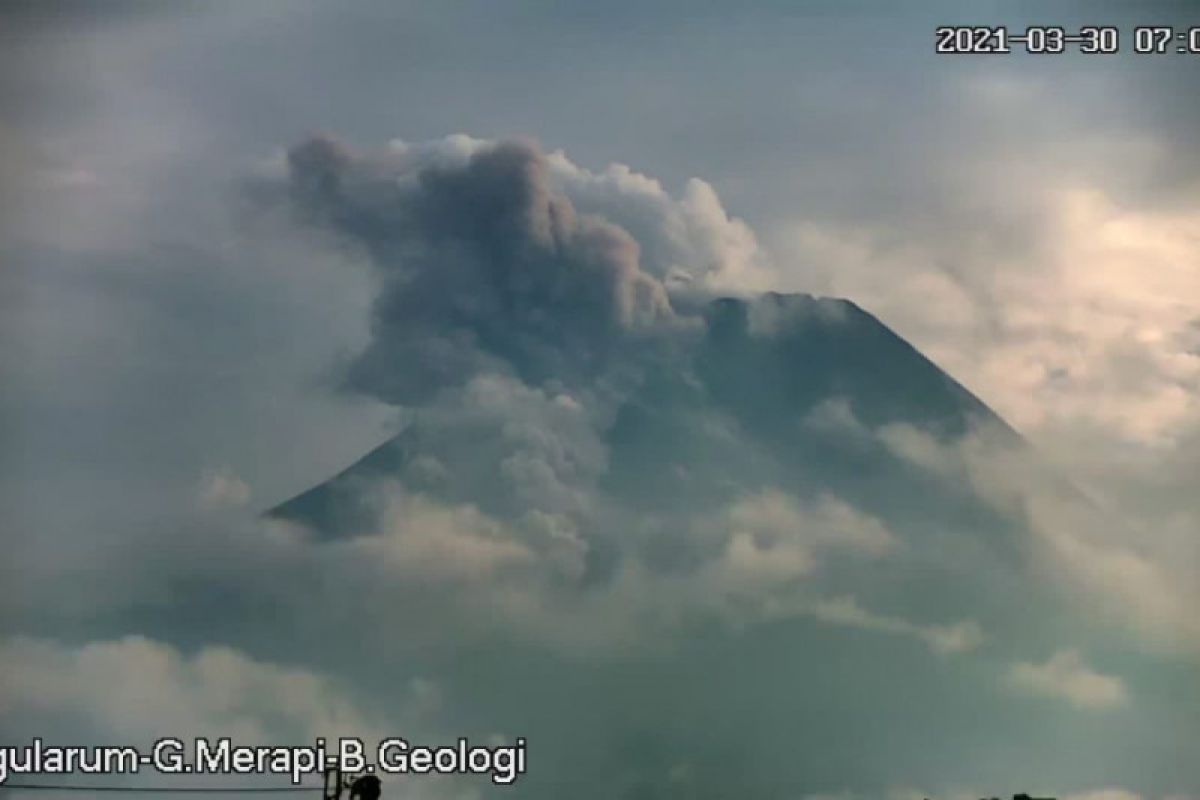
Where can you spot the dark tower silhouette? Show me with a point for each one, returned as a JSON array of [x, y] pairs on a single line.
[[331, 788]]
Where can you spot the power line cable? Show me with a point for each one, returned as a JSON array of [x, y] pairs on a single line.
[[33, 787]]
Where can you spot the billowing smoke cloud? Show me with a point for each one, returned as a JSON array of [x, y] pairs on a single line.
[[485, 265]]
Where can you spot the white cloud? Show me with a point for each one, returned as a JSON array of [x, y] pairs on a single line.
[[1065, 676], [222, 489], [1078, 542], [1104, 794], [692, 238], [958, 637], [136, 689], [428, 542], [524, 575], [772, 517], [1157, 597], [1088, 331]]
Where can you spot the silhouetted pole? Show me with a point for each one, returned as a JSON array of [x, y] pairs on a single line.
[[332, 789]]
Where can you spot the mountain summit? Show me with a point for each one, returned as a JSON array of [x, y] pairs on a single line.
[[811, 396]]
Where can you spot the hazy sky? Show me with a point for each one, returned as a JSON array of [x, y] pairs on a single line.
[[174, 346]]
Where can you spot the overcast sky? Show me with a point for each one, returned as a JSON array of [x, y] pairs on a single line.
[[175, 346]]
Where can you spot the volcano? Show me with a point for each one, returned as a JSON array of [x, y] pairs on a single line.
[[788, 391]]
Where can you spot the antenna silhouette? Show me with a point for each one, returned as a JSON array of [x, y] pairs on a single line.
[[331, 788]]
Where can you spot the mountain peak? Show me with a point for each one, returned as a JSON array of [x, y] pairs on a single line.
[[764, 370]]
